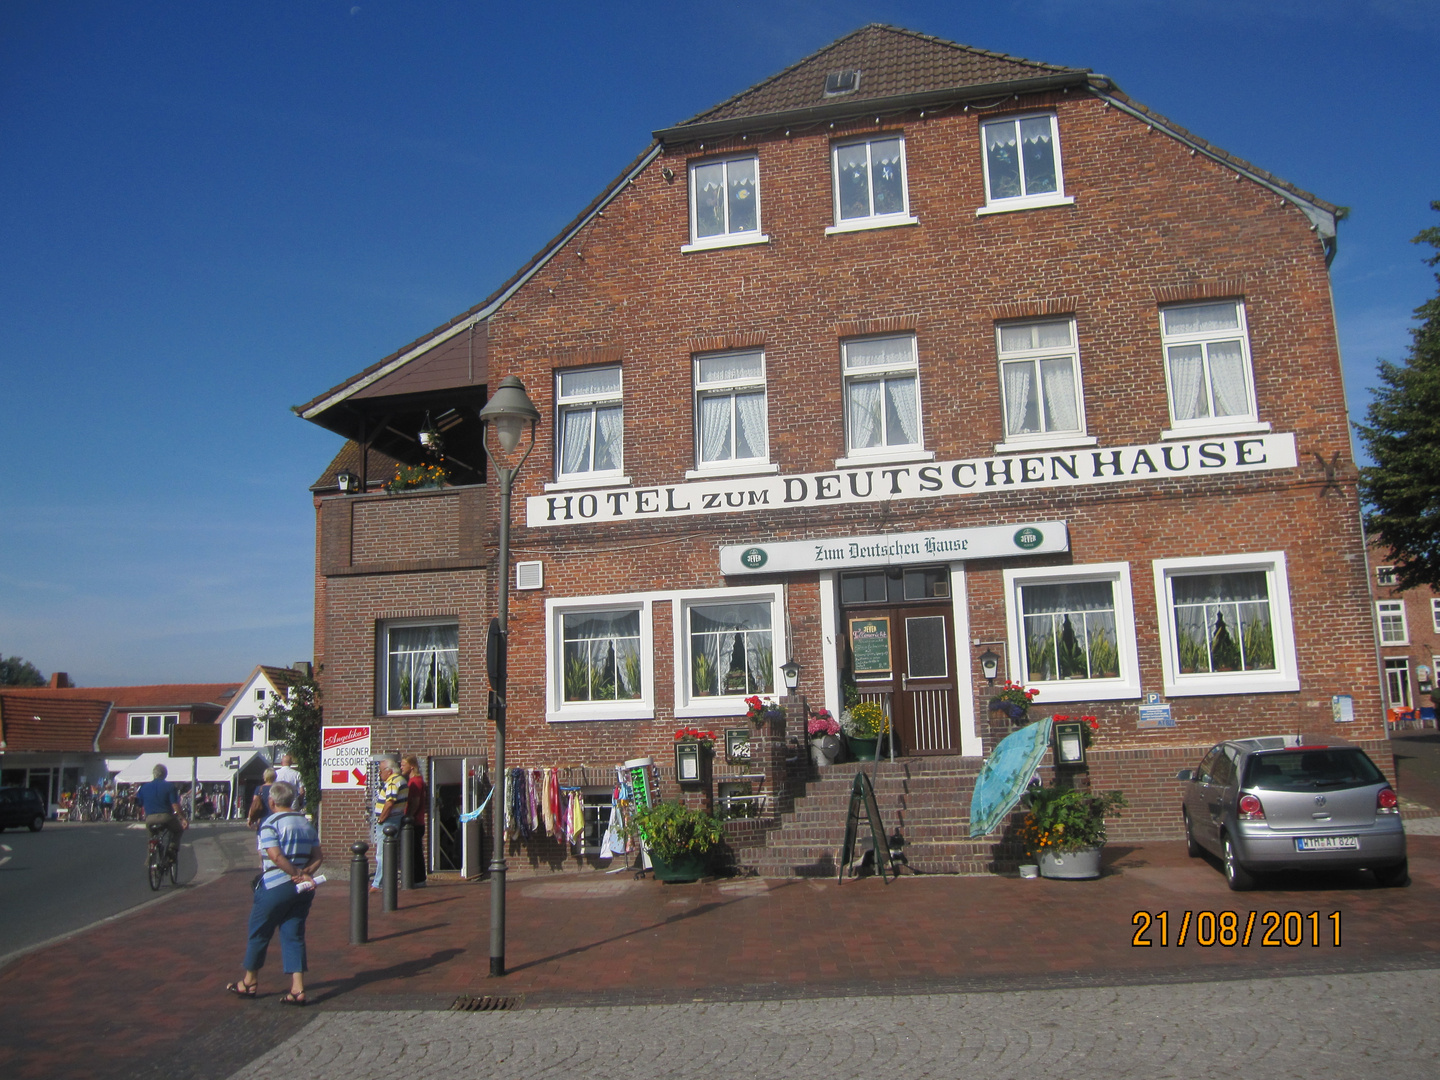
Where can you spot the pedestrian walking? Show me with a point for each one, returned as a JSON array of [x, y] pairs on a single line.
[[390, 804], [287, 773], [260, 804], [290, 849], [419, 803]]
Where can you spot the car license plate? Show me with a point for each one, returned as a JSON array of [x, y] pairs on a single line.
[[1327, 843]]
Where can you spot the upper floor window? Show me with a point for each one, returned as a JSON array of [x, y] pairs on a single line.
[[422, 669], [152, 725], [725, 201], [1391, 616], [260, 694], [244, 729], [1385, 575], [1040, 380], [869, 178], [730, 420], [882, 395], [1207, 365], [1435, 616], [590, 422], [1022, 163]]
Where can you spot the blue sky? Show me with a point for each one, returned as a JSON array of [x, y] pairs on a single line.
[[210, 212]]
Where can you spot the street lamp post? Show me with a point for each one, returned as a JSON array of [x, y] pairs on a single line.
[[506, 413]]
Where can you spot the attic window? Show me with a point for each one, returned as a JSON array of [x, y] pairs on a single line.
[[842, 82]]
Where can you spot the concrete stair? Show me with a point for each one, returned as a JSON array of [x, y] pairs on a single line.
[[926, 798]]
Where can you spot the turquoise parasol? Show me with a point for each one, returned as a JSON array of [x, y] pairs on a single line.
[[1005, 775]]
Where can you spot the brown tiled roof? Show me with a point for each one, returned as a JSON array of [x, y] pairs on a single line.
[[382, 468], [893, 63], [281, 676], [37, 720], [163, 696]]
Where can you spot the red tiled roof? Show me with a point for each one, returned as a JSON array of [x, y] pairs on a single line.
[[34, 720], [893, 63], [163, 696]]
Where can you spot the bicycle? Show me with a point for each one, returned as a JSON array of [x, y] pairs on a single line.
[[162, 858]]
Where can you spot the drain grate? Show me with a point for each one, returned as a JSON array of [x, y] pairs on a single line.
[[466, 1003]]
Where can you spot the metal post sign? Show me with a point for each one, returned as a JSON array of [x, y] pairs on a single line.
[[344, 757]]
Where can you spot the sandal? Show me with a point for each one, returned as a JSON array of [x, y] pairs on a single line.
[[241, 989], [297, 1000]]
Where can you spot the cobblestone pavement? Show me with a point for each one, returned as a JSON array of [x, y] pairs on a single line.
[[1347, 1025]]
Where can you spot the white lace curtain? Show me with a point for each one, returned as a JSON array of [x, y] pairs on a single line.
[[424, 667]]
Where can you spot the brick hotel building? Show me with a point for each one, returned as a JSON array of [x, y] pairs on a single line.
[[969, 348]]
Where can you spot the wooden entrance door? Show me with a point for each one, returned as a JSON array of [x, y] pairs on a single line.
[[904, 660]]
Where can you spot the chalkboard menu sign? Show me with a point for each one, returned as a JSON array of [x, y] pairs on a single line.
[[870, 644]]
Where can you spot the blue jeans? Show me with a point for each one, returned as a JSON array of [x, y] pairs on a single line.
[[377, 835], [283, 909]]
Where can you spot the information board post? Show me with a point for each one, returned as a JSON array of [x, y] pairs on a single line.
[[194, 741]]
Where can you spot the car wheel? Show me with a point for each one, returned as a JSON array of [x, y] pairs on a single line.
[[1191, 847], [1393, 877], [37, 823], [1236, 876]]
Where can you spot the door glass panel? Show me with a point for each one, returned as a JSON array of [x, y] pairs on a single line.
[[925, 647]]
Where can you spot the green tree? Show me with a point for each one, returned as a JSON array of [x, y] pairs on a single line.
[[17, 672], [295, 721], [1401, 490]]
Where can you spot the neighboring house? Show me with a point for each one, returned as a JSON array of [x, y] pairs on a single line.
[[1407, 628], [245, 744], [909, 354], [50, 744]]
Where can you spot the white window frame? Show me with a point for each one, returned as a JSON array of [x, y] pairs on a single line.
[[729, 388], [1024, 202], [1127, 686], [557, 709], [687, 707], [1390, 610], [382, 664], [1435, 614], [1385, 576], [592, 402], [1398, 665], [260, 694], [726, 239], [871, 220], [1030, 440], [163, 721], [1205, 425], [1284, 677], [235, 739], [884, 454]]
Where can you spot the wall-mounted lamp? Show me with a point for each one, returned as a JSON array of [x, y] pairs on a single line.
[[791, 670], [349, 482], [668, 173], [989, 665]]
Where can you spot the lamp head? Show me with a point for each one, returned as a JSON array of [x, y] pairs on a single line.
[[509, 410], [989, 665], [791, 670]]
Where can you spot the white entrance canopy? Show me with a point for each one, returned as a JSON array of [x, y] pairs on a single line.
[[210, 769]]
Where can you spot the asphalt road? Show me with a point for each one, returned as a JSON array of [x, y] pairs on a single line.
[[69, 876]]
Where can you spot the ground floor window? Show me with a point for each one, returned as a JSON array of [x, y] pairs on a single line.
[[596, 806], [725, 641], [1225, 625], [422, 666], [601, 661]]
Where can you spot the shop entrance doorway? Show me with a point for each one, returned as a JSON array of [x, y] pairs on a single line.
[[899, 647], [457, 786]]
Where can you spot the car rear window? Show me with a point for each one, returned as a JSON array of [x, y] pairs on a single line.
[[1307, 770]]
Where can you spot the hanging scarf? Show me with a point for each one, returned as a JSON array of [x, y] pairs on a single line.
[[520, 802]]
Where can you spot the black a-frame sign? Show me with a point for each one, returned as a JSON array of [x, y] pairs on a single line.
[[864, 792]]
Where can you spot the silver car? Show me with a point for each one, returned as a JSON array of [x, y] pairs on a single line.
[[1289, 803]]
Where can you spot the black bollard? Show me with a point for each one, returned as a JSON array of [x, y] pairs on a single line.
[[407, 852], [387, 860], [359, 894]]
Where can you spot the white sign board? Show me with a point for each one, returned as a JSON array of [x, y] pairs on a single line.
[[1219, 456], [897, 549], [344, 757]]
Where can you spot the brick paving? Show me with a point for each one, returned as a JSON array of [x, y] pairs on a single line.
[[144, 993]]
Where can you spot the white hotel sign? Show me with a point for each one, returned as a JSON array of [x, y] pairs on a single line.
[[881, 483], [897, 549]]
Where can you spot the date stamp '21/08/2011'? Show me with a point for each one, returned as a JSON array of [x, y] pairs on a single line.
[[1268, 929]]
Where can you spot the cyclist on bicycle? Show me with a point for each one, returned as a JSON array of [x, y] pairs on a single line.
[[161, 804]]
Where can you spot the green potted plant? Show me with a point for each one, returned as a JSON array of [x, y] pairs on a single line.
[[682, 842], [1065, 830], [864, 723]]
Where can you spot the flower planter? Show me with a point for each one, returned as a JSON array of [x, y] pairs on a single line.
[[1071, 865], [863, 749], [824, 751], [685, 868]]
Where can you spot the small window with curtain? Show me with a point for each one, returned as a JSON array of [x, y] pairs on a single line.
[[882, 396], [1040, 381], [725, 202], [1022, 163], [422, 672], [1207, 366], [589, 422], [730, 417], [870, 189]]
